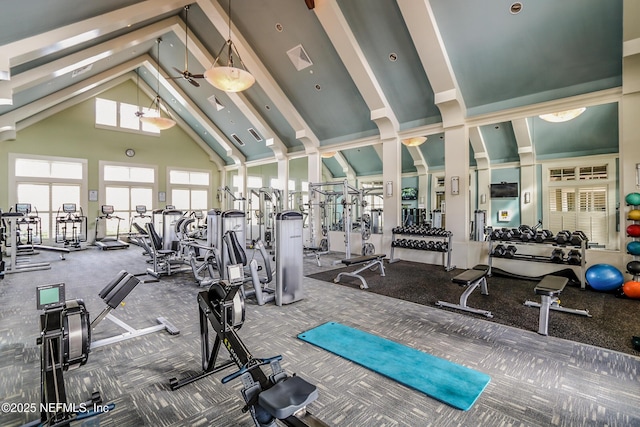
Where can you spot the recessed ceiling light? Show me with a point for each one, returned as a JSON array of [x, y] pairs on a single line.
[[318, 87], [279, 27], [515, 8], [393, 57]]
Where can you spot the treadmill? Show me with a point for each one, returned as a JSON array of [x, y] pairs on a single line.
[[109, 242]]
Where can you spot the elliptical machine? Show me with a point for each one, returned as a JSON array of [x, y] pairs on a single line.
[[268, 398]]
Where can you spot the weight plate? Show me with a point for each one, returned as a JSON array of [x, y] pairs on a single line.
[[366, 234], [368, 249]]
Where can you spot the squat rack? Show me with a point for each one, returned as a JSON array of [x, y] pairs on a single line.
[[345, 190]]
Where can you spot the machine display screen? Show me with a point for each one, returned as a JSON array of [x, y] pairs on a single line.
[[69, 207], [24, 208], [50, 296]]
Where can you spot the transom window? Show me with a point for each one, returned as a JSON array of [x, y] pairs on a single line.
[[189, 189], [46, 184], [122, 116]]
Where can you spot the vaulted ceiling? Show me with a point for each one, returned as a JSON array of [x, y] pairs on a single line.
[[373, 69]]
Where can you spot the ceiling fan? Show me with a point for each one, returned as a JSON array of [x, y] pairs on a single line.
[[186, 74]]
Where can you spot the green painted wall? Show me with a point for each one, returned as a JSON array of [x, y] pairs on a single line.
[[72, 133]]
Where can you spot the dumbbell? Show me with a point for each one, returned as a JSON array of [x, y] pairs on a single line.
[[574, 257], [557, 256], [507, 234], [495, 234], [510, 251], [422, 244], [499, 251], [431, 245], [543, 235], [445, 246], [527, 233], [577, 237], [515, 232], [563, 237]]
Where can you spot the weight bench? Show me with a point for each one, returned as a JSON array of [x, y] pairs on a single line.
[[370, 261], [471, 279], [549, 288], [315, 252]]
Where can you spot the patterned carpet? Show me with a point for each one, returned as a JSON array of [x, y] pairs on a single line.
[[535, 380]]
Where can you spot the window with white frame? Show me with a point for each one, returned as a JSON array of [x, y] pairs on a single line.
[[189, 189], [582, 197], [122, 116], [46, 183], [124, 188]]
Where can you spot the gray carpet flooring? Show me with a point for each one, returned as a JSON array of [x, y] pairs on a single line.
[[535, 380]]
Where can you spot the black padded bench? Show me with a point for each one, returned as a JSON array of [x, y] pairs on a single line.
[[315, 252], [471, 279], [550, 288], [370, 261]]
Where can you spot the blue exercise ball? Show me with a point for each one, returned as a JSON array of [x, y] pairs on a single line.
[[604, 277], [633, 247]]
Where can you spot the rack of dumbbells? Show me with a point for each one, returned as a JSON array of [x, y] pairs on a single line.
[[567, 247], [423, 237]]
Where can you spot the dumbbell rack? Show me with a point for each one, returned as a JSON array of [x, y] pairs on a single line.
[[541, 259], [445, 238]]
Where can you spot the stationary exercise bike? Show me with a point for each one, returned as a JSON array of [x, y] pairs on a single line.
[[268, 398]]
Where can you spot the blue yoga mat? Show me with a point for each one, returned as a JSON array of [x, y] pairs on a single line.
[[445, 381]]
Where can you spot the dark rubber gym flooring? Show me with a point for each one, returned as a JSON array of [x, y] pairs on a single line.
[[536, 381], [615, 319]]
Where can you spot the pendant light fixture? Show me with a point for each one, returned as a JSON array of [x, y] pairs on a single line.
[[229, 78], [562, 116], [155, 109], [415, 141]]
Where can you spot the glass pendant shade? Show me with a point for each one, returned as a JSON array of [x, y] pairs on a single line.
[[415, 141], [162, 123], [562, 116], [229, 78]]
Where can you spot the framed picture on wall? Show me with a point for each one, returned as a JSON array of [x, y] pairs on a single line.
[[504, 215]]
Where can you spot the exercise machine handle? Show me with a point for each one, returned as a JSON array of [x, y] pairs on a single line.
[[254, 363]]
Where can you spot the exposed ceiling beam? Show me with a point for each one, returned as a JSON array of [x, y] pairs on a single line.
[[522, 134], [91, 55], [218, 17], [175, 24], [50, 101], [31, 48], [205, 59], [58, 101], [479, 148], [428, 42], [337, 29], [418, 160], [203, 120], [346, 167]]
